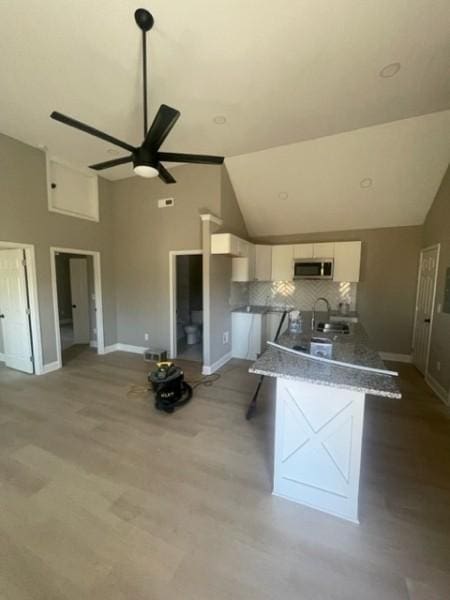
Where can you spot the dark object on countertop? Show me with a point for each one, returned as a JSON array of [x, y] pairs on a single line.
[[252, 405], [171, 391], [300, 348]]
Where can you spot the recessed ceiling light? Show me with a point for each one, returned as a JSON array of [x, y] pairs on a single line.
[[366, 182], [390, 70], [220, 120], [283, 195], [112, 151]]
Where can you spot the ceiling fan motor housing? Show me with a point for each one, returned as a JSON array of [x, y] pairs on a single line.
[[144, 156]]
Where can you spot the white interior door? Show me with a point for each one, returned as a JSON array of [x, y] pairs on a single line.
[[424, 307], [80, 300], [14, 312]]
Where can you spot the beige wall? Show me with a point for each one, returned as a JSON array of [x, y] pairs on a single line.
[[143, 236], [436, 230], [386, 292], [230, 211], [24, 218]]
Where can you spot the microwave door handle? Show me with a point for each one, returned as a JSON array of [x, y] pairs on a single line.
[[322, 270]]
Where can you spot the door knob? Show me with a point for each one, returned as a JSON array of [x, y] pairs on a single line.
[[427, 320], [2, 316], [74, 305]]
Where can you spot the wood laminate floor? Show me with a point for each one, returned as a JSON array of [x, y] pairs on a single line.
[[102, 497]]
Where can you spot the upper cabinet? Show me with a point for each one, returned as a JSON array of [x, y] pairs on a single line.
[[303, 251], [282, 263], [276, 263], [263, 263], [71, 191], [322, 250], [227, 243], [347, 261]]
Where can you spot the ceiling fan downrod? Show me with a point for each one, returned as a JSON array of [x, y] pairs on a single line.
[[145, 21]]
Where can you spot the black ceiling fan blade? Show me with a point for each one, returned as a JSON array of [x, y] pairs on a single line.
[[165, 119], [111, 163], [165, 175], [91, 130], [201, 159]]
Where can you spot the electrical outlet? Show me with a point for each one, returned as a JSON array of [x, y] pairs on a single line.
[[226, 337], [438, 365], [146, 337]]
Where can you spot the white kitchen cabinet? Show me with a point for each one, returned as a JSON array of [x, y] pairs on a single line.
[[347, 261], [243, 268], [227, 243], [240, 269], [263, 263], [323, 250], [303, 250], [247, 330], [282, 263]]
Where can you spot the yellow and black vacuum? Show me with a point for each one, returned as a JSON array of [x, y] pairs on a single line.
[[169, 387]]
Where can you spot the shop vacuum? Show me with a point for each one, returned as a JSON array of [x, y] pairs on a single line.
[[169, 387]]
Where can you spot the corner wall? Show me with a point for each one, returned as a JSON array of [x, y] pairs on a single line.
[[143, 236], [25, 218], [436, 230]]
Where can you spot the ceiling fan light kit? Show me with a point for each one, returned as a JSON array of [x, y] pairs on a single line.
[[146, 158]]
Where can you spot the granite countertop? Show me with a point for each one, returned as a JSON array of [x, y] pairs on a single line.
[[352, 348], [262, 309], [256, 309]]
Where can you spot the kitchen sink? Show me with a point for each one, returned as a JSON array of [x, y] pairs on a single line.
[[333, 327]]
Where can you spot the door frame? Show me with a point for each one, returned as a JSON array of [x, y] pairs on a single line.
[[35, 322], [438, 248], [173, 294], [97, 291]]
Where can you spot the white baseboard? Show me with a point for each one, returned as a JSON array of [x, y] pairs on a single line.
[[209, 370], [131, 348], [111, 348], [438, 389], [403, 358], [119, 347], [49, 367], [93, 343]]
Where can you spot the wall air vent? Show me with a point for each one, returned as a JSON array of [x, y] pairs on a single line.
[[165, 202]]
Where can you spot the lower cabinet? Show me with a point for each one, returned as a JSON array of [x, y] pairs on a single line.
[[250, 333], [246, 334]]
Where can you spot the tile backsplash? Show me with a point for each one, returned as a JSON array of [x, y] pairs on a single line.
[[300, 294]]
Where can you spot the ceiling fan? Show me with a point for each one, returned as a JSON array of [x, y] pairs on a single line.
[[146, 158]]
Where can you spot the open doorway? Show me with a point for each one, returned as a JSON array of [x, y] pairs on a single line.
[[20, 338], [425, 299], [77, 301], [75, 287], [187, 305]]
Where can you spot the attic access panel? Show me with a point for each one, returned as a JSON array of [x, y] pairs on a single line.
[[72, 192]]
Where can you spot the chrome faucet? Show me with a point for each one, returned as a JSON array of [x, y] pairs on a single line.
[[313, 318]]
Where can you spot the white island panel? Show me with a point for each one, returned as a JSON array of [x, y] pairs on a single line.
[[318, 439]]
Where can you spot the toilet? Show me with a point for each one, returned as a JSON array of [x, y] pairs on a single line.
[[193, 330]]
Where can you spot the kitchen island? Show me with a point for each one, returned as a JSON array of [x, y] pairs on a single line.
[[319, 418]]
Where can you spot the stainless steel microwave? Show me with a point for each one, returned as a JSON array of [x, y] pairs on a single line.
[[313, 268]]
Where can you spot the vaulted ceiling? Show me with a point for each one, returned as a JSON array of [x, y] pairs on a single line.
[[279, 72]]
